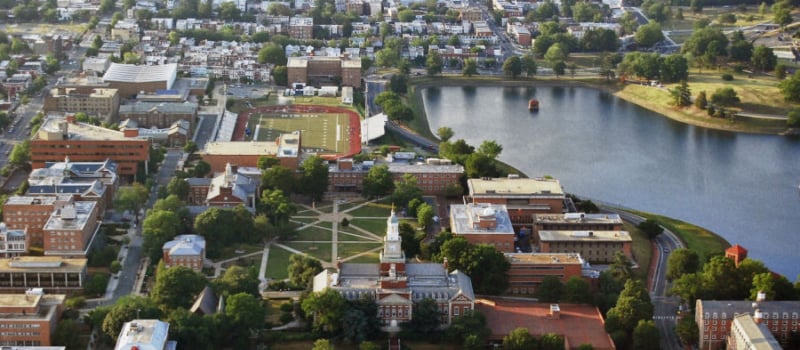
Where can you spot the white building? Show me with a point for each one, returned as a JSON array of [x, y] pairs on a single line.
[[12, 242], [145, 335]]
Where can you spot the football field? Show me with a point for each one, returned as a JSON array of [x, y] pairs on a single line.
[[320, 132]]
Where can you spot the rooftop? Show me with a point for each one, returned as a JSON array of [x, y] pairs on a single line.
[[465, 219], [585, 236], [71, 217], [163, 107], [186, 245], [727, 309], [494, 187], [757, 335], [54, 128], [544, 258], [140, 74], [577, 218], [34, 200], [78, 92], [44, 264], [45, 306], [143, 335]]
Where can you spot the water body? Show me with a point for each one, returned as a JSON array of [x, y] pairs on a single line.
[[741, 186]]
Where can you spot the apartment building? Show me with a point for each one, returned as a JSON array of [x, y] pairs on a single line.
[[594, 246], [29, 319], [59, 138], [301, 27], [53, 274], [715, 318], [102, 103], [471, 14], [159, 115], [483, 223], [30, 213], [185, 250], [529, 269], [71, 230], [748, 334], [324, 70], [522, 196], [16, 84], [12, 242]]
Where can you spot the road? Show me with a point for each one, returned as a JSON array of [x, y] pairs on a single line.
[[665, 308], [412, 137]]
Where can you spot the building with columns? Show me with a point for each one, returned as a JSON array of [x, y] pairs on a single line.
[[398, 286]]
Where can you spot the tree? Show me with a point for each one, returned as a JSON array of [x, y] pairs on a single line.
[[551, 341], [577, 290], [556, 53], [221, 227], [322, 344], [178, 187], [550, 290], [192, 331], [277, 207], [51, 64], [764, 58], [190, 147], [680, 262], [470, 323], [529, 66], [405, 190], [434, 63], [158, 228], [444, 133], [131, 58], [687, 330], [238, 279], [674, 68], [763, 283], [425, 317], [633, 305], [512, 67], [21, 154], [651, 228], [559, 68], [490, 148], [681, 97], [280, 75], [719, 277], [278, 178], [793, 119], [600, 40], [278, 9], [701, 102], [131, 198], [360, 320], [699, 41], [327, 308], [378, 182], [470, 67], [315, 177], [302, 270], [176, 287], [741, 50], [425, 215], [724, 97], [688, 287], [410, 240], [229, 12], [273, 54], [519, 339], [649, 34], [201, 169], [645, 335], [126, 309], [368, 345], [67, 334], [245, 310], [406, 15], [783, 17], [789, 87]]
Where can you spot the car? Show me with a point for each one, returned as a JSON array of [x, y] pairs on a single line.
[[666, 250]]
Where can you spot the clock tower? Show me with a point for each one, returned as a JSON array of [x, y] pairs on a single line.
[[392, 254]]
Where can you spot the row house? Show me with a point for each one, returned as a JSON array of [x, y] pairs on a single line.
[[449, 51], [126, 30], [360, 28], [449, 29], [301, 27], [521, 33], [482, 30], [275, 24], [67, 9], [160, 23]]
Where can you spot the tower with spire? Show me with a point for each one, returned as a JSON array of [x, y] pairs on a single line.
[[392, 257]]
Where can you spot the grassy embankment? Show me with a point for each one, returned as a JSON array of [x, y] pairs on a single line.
[[704, 242]]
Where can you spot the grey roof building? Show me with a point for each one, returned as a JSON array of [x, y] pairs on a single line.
[[185, 250]]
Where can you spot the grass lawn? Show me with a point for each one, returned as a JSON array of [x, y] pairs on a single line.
[[368, 258], [312, 234], [350, 249], [316, 100], [325, 224], [758, 95], [230, 252], [353, 235], [376, 226], [277, 262], [703, 241], [305, 220], [642, 250], [324, 206], [326, 132], [373, 210], [346, 206], [321, 250]]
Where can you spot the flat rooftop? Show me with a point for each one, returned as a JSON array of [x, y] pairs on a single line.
[[465, 218], [43, 264], [45, 305], [51, 130], [584, 236], [577, 218], [579, 324], [146, 334], [34, 200], [75, 92], [758, 335], [130, 73], [243, 148], [544, 258], [68, 219], [19, 301], [499, 187]]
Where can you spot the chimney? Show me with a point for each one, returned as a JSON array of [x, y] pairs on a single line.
[[757, 316], [555, 311], [761, 296], [71, 118], [130, 132]]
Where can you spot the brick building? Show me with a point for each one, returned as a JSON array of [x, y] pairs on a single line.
[[246, 154], [84, 181], [71, 230], [31, 212], [132, 79], [482, 223], [715, 317], [16, 84], [228, 189], [396, 286], [748, 334], [432, 179], [471, 14], [185, 250], [523, 197], [301, 27], [54, 274], [736, 253], [323, 69], [29, 319], [576, 222], [59, 138], [159, 115], [594, 246], [529, 269], [102, 103]]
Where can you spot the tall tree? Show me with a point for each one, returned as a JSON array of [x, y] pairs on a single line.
[[273, 54], [245, 311], [434, 63], [519, 339], [132, 198], [378, 182], [278, 177], [327, 308], [490, 148], [315, 177], [645, 335], [178, 187], [158, 228], [405, 190], [649, 34], [238, 279], [302, 270], [445, 133], [577, 290], [680, 262], [21, 153], [176, 287], [551, 341], [764, 58], [528, 65], [470, 67], [425, 317], [550, 290], [512, 67], [277, 207]]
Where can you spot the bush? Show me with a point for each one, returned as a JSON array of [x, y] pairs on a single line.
[[711, 111], [97, 284], [286, 317], [794, 119], [727, 77], [287, 307], [345, 222], [102, 257], [75, 302], [115, 266]]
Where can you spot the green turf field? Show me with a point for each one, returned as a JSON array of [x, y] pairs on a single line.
[[320, 132]]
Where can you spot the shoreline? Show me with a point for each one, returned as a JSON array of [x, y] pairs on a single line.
[[697, 118]]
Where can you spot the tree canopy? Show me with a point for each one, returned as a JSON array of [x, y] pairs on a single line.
[[302, 270], [378, 182], [176, 287]]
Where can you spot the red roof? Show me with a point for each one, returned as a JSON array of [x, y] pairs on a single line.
[[736, 249]]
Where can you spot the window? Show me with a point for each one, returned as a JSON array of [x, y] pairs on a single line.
[[455, 311]]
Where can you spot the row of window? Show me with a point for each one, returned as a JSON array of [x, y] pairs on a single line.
[[764, 315], [20, 334], [19, 325]]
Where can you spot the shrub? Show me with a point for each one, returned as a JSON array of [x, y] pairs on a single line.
[[794, 119], [727, 77], [711, 111], [287, 307], [115, 266], [345, 222], [75, 302], [286, 317]]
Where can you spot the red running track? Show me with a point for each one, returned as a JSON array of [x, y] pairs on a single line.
[[354, 130]]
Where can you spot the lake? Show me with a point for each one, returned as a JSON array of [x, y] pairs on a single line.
[[742, 186]]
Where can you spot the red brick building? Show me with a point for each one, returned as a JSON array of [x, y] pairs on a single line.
[[529, 269], [715, 317], [70, 231], [432, 179], [736, 253], [482, 223], [594, 246], [319, 69], [246, 154], [31, 213], [185, 250], [522, 197], [29, 319]]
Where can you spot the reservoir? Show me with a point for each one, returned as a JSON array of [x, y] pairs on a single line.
[[744, 187]]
